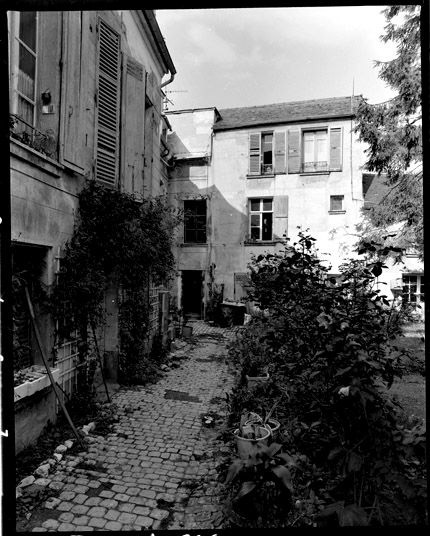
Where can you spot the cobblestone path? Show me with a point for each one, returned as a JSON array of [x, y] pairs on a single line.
[[156, 470]]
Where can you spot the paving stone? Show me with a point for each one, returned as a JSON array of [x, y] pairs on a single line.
[[65, 506], [81, 520], [51, 524], [126, 507], [112, 515], [113, 525], [122, 497], [109, 503], [96, 511], [80, 509], [150, 494], [65, 526], [159, 514], [144, 521], [127, 518], [93, 501], [97, 522]]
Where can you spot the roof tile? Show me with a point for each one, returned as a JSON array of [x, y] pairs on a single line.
[[287, 112]]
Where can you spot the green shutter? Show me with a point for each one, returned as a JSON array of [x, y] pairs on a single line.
[[280, 213], [280, 163], [336, 149], [254, 154], [133, 124], [293, 151]]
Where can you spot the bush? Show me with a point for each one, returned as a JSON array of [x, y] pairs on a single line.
[[329, 345]]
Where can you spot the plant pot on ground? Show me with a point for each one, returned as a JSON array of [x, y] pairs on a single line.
[[250, 437]]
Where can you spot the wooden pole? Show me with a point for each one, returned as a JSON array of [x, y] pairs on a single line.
[[48, 369]]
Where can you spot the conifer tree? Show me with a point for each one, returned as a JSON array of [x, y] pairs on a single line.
[[393, 132]]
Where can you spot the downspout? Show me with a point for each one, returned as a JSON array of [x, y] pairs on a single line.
[[169, 81]]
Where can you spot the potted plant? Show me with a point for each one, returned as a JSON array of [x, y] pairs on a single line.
[[250, 436], [268, 421], [262, 487], [255, 369]]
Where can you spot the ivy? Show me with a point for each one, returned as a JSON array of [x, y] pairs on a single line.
[[118, 240]]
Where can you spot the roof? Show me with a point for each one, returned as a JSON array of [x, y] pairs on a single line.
[[287, 112], [192, 110], [159, 39], [374, 189]]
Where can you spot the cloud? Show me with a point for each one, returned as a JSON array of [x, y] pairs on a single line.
[[207, 45]]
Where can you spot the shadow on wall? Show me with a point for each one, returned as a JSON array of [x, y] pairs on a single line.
[[220, 259]]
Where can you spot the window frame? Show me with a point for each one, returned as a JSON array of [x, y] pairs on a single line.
[[262, 164], [198, 215], [420, 289], [334, 210], [14, 53], [260, 212], [315, 169]]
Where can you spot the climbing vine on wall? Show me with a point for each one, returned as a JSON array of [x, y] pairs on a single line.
[[122, 241]]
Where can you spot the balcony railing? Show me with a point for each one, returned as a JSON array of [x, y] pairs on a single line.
[[314, 166], [43, 142]]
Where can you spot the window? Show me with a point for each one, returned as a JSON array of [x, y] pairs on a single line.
[[24, 64], [267, 152], [315, 150], [413, 289], [195, 221], [336, 203], [262, 155], [260, 219]]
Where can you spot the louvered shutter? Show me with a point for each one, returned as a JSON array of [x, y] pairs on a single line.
[[336, 149], [254, 154], [280, 213], [133, 103], [72, 146], [108, 104], [280, 152], [293, 151]]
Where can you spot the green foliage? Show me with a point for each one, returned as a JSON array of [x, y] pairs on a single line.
[[394, 133], [263, 485], [331, 357], [122, 241]]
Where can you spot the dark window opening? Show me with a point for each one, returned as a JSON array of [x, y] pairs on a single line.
[[267, 152], [195, 221], [336, 203]]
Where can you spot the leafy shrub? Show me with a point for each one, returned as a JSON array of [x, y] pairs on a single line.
[[329, 343]]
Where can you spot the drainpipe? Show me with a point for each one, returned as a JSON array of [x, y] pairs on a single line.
[[169, 81]]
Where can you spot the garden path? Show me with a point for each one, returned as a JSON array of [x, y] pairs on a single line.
[[157, 469]]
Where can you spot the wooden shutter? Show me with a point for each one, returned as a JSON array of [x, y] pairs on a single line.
[[293, 151], [280, 152], [107, 125], [72, 146], [336, 149], [254, 154], [280, 213], [133, 124]]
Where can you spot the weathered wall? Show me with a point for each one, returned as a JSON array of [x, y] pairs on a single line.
[[32, 414], [227, 186]]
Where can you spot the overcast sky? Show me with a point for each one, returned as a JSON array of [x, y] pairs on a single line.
[[245, 57]]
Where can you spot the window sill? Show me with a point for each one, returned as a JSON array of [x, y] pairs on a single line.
[[303, 173], [193, 244], [261, 242], [20, 150], [337, 211], [265, 176]]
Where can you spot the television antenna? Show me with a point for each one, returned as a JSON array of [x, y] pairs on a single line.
[[167, 100]]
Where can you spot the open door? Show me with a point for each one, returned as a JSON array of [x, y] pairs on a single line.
[[192, 293]]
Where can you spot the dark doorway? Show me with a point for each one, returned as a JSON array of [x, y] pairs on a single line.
[[192, 292], [28, 266]]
